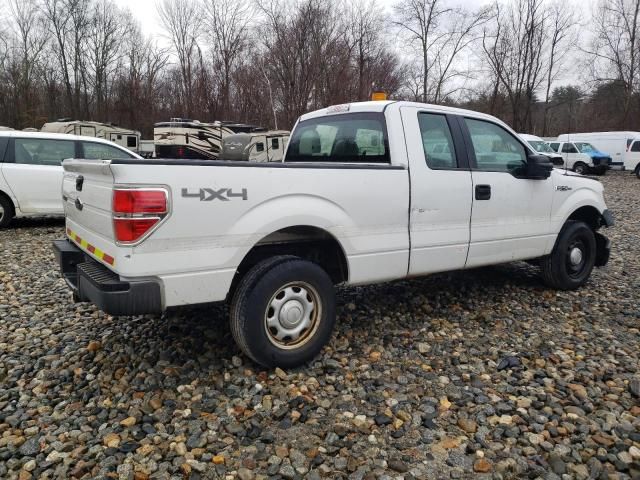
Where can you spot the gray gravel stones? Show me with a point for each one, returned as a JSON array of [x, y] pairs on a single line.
[[409, 387]]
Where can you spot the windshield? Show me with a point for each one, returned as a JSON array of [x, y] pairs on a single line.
[[585, 147], [540, 146]]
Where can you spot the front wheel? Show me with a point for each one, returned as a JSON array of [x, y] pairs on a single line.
[[580, 168], [638, 171], [283, 311], [572, 259]]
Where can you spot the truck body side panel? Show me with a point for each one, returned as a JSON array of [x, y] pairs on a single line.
[[219, 213]]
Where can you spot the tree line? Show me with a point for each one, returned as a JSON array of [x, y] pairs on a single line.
[[543, 66]]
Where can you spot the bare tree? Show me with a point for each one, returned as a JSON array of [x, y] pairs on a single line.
[[227, 23], [514, 52], [183, 19], [441, 34], [616, 48], [561, 29], [107, 30], [31, 39]]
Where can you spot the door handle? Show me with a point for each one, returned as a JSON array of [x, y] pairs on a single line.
[[483, 192]]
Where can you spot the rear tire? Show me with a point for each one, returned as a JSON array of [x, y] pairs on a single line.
[[638, 171], [580, 168], [7, 211], [572, 259], [283, 312]]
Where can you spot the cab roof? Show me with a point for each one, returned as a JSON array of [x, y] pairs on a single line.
[[381, 106]]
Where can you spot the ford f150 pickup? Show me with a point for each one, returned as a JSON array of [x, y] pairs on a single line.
[[367, 192]]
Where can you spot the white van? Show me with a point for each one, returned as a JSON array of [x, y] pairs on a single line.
[[619, 145], [543, 148], [582, 157]]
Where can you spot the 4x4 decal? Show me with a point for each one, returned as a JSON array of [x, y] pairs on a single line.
[[210, 194]]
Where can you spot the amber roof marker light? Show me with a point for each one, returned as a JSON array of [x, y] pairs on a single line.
[[378, 96]]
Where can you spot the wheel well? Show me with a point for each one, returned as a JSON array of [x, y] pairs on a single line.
[[310, 243], [590, 215]]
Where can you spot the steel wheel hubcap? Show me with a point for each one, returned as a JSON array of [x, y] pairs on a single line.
[[292, 315], [576, 256]]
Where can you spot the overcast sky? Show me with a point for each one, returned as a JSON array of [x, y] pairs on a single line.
[[146, 13]]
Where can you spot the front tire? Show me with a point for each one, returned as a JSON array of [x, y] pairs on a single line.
[[572, 259], [638, 171], [283, 312], [7, 211], [580, 168]]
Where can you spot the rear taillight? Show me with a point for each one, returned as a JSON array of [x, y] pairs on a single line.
[[140, 201], [137, 211]]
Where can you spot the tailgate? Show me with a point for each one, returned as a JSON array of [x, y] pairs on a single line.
[[87, 196]]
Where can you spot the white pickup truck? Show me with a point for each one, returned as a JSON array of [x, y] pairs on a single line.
[[364, 195]]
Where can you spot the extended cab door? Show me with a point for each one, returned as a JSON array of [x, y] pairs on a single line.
[[33, 170], [440, 191], [511, 215]]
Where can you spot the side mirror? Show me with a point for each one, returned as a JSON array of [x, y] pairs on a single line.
[[202, 135], [538, 167]]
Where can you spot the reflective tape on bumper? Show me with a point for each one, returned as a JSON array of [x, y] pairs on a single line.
[[92, 249]]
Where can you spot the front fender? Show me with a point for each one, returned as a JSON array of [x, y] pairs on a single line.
[[572, 193]]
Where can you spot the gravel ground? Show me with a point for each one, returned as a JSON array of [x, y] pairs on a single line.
[[483, 374]]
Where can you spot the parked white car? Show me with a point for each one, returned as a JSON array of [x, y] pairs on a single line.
[[543, 148], [623, 147], [273, 239], [31, 169], [582, 157]]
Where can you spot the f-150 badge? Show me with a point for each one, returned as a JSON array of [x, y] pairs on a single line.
[[210, 194]]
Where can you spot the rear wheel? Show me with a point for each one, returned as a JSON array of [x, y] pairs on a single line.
[[283, 311], [6, 211], [580, 168], [638, 171], [572, 259]]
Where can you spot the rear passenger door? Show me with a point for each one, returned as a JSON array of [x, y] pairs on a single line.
[[33, 170], [440, 191]]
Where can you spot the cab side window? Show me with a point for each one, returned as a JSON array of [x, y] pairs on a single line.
[[439, 150], [569, 148], [101, 151], [636, 147], [496, 150], [39, 151]]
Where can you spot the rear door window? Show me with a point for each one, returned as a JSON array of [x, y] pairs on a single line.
[[40, 151], [101, 151], [352, 138], [439, 151]]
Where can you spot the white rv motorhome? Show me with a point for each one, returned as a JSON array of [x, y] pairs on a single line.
[[129, 139], [623, 147], [255, 147], [192, 139]]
